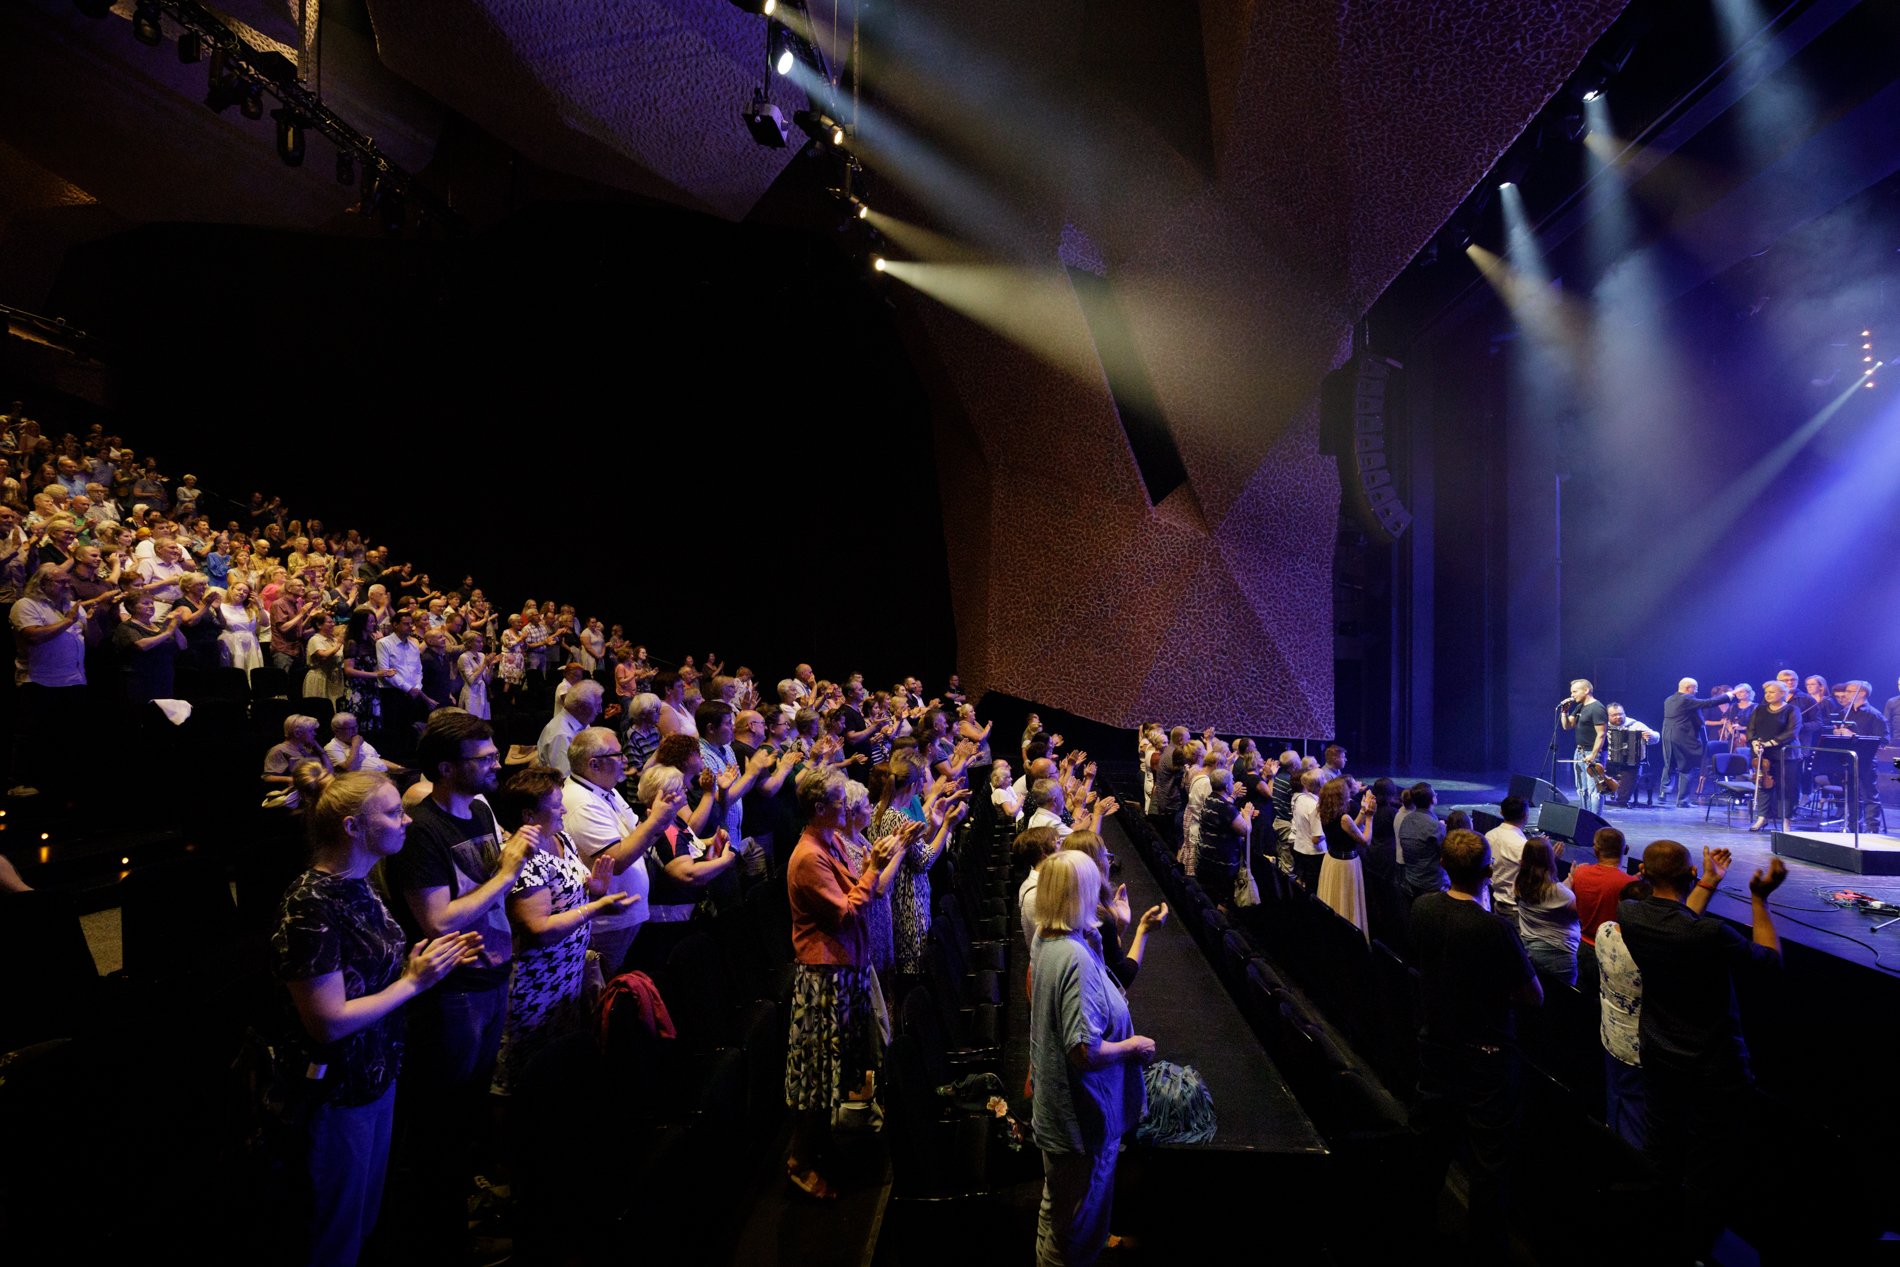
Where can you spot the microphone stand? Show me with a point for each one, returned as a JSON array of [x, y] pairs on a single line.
[[1550, 758]]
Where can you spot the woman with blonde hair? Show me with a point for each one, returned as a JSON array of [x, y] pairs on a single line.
[[476, 669], [1085, 1063], [1112, 914], [344, 961]]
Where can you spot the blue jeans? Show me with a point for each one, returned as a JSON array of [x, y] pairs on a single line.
[[1552, 961], [1587, 794], [349, 1154], [1627, 1109], [453, 1036]]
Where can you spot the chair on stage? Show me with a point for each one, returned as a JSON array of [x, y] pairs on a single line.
[[1733, 787]]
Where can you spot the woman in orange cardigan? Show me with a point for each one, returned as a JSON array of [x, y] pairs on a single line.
[[834, 1043]]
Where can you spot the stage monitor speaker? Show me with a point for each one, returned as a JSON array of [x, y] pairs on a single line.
[[1482, 823], [1535, 791], [1569, 823]]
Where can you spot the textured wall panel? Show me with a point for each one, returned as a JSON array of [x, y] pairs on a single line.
[[1346, 135]]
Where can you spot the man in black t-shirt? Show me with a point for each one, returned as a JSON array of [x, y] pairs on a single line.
[[1474, 969], [453, 875], [1699, 1093], [1586, 715]]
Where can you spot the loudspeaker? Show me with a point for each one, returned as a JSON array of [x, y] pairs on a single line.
[[1482, 822], [1569, 823], [1535, 791]]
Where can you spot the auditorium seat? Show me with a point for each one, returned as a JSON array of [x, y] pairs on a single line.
[[711, 1019], [179, 919], [970, 1027], [48, 980]]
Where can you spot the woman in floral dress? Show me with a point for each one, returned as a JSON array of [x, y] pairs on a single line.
[[514, 659], [361, 677], [551, 912]]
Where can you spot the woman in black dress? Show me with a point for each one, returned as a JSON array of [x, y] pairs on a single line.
[[1772, 731]]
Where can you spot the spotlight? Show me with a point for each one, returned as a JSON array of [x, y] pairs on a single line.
[[252, 104], [864, 210], [94, 8], [784, 63], [148, 27], [877, 262], [191, 46], [765, 121], [222, 88], [1866, 345], [763, 8], [345, 168], [290, 128], [1504, 186], [1594, 94], [1866, 334]]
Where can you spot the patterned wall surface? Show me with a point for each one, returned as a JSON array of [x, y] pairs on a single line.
[[1346, 133]]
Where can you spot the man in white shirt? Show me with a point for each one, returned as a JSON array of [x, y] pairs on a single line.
[[1039, 768], [164, 568], [1309, 841], [577, 713], [610, 838], [1049, 800], [1507, 851], [1198, 791], [405, 707], [348, 750], [1620, 996]]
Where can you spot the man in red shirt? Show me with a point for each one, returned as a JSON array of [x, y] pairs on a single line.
[[1597, 886]]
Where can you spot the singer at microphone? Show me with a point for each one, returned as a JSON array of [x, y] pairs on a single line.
[[1591, 720]]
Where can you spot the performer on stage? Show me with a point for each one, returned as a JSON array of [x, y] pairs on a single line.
[[1822, 715], [1773, 732], [1617, 766], [1585, 714], [1893, 719], [1861, 718], [1735, 722], [1682, 739]]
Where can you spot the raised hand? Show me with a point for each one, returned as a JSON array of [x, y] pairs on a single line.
[[1715, 864], [1119, 905], [1154, 916], [720, 841], [1108, 805], [1764, 884], [706, 781], [601, 875]]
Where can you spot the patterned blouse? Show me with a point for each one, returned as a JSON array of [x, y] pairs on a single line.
[[333, 923], [544, 988], [910, 893]]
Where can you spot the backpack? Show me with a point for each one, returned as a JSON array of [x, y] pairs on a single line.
[[1180, 1108]]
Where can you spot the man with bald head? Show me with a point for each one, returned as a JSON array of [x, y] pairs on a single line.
[[1682, 739], [1696, 1078]]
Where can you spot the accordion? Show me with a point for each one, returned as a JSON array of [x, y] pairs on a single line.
[[1624, 747]]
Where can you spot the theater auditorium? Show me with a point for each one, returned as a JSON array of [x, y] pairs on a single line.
[[909, 633]]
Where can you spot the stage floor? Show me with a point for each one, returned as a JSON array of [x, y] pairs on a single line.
[[1801, 914]]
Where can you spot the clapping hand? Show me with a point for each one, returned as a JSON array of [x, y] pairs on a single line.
[[1715, 864], [601, 875], [1764, 884], [514, 854], [1107, 805], [1154, 916], [430, 961], [1119, 905]]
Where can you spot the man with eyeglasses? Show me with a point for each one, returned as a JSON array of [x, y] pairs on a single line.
[[612, 840], [453, 875]]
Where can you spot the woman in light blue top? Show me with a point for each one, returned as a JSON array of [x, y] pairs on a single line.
[[1085, 1063]]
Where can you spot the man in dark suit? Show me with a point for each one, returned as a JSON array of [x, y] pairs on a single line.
[[1682, 738]]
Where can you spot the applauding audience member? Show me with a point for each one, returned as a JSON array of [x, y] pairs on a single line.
[[1696, 1077], [551, 909], [612, 840], [350, 969], [454, 876]]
